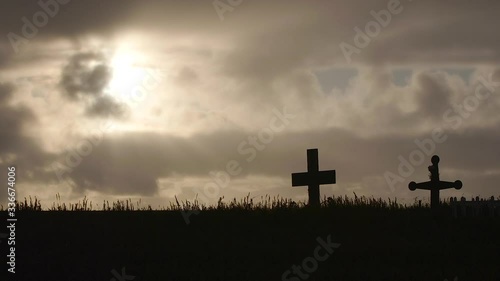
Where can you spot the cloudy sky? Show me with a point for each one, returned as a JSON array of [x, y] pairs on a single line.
[[156, 99]]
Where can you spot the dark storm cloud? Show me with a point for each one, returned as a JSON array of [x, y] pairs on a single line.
[[132, 163], [433, 95], [16, 148], [12, 121], [65, 19], [106, 107], [308, 33], [73, 20], [5, 92], [440, 32], [496, 76], [5, 55], [85, 74]]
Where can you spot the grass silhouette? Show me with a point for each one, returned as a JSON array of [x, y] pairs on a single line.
[[245, 203], [252, 240]]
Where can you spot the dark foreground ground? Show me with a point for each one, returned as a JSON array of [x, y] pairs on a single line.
[[376, 244]]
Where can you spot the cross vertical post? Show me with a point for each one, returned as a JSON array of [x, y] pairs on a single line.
[[313, 167]]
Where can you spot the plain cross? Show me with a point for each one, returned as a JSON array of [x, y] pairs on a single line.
[[313, 178], [434, 185]]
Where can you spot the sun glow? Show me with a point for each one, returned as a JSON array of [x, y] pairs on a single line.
[[135, 83], [128, 74]]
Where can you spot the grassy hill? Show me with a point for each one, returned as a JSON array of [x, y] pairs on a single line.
[[254, 241]]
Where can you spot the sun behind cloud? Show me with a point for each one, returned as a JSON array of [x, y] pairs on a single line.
[[127, 75]]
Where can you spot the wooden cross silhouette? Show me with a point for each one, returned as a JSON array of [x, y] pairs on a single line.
[[313, 178], [434, 185]]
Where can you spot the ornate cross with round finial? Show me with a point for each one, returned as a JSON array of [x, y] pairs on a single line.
[[434, 185]]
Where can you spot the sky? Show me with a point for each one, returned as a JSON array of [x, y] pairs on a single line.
[[154, 100]]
